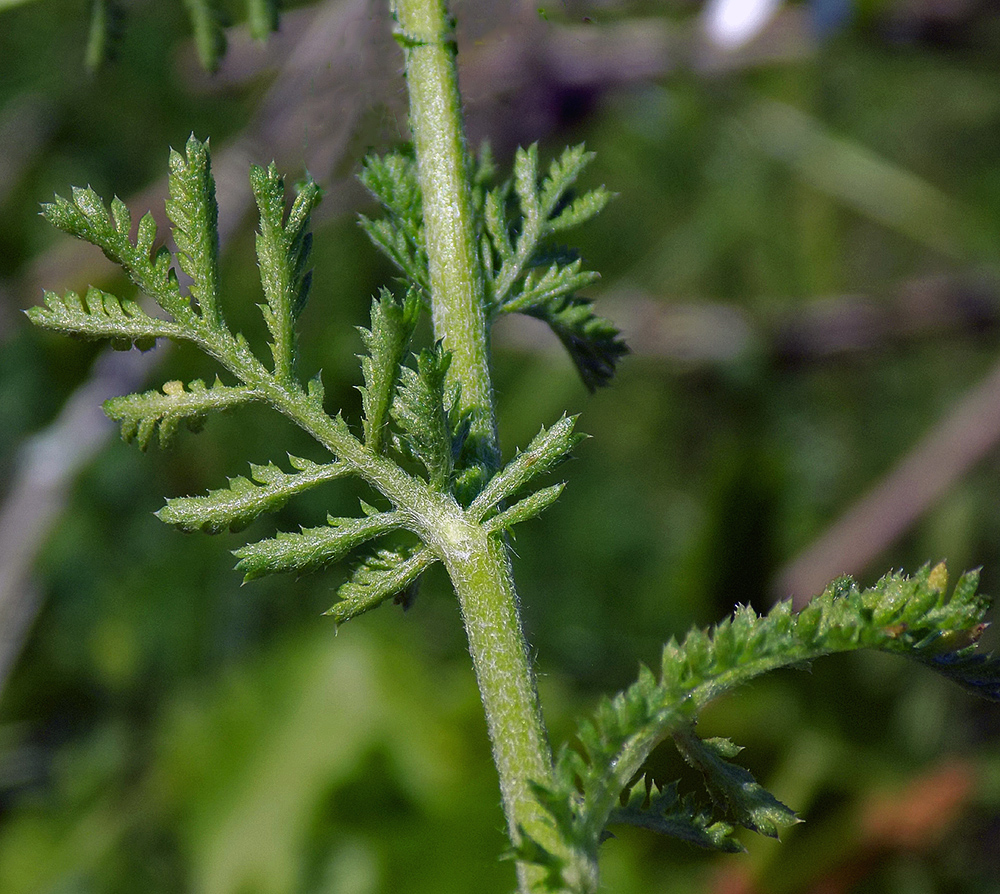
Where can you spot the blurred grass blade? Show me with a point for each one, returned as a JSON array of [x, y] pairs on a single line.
[[848, 171]]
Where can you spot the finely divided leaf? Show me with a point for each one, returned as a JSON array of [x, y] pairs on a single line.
[[594, 343], [951, 647], [386, 342], [141, 414], [101, 315], [580, 210], [556, 282], [733, 787], [283, 248], [86, 217], [420, 412], [396, 246], [526, 187], [563, 173], [392, 179], [533, 505], [193, 211], [547, 449], [911, 616], [523, 279], [313, 548], [235, 506], [316, 392], [484, 171], [665, 811], [387, 574], [541, 213]]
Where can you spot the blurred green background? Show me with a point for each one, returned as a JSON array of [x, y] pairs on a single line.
[[805, 256]]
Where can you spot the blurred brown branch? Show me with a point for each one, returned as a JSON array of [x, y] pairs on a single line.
[[964, 437], [822, 330]]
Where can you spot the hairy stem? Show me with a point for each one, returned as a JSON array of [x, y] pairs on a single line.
[[477, 563], [426, 31], [479, 567]]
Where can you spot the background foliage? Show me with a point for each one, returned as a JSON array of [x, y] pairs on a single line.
[[804, 257]]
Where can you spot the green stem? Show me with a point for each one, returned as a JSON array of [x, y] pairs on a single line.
[[478, 564], [426, 32], [479, 567]]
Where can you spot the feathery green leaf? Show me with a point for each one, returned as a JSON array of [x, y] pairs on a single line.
[[526, 277], [541, 214], [911, 616], [563, 173], [141, 415], [392, 179], [102, 315], [283, 248], [422, 416], [732, 787], [193, 211], [532, 505], [665, 811], [484, 171], [313, 548], [235, 506], [580, 210], [594, 344], [386, 342], [556, 282], [384, 575], [547, 449], [86, 217]]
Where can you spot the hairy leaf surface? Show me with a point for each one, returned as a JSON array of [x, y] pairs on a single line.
[[235, 506], [313, 548], [141, 415], [732, 787], [386, 342], [550, 447], [914, 617], [386, 574], [101, 315], [422, 416], [392, 179], [667, 812], [540, 214], [193, 211], [594, 344], [86, 217], [531, 506], [283, 248], [524, 276]]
